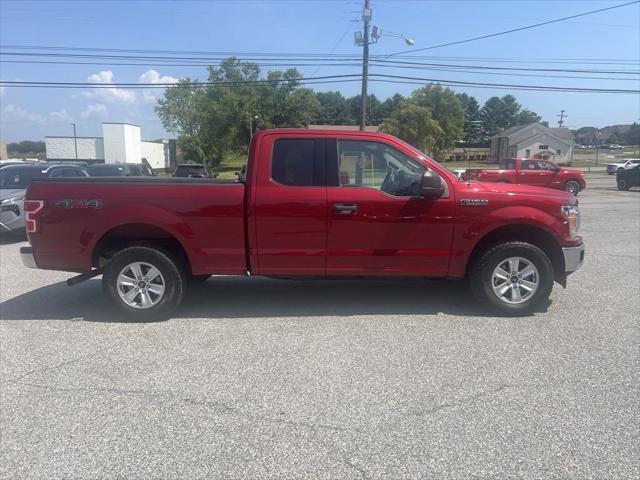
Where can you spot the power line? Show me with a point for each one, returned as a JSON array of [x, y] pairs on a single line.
[[513, 30], [193, 61], [345, 56], [323, 79], [456, 69]]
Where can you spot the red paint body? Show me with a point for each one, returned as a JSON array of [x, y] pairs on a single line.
[[556, 178], [265, 228]]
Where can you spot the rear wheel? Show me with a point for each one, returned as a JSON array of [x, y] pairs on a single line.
[[144, 283], [572, 186], [512, 278], [623, 184]]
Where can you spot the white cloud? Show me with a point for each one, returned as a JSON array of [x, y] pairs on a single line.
[[152, 76], [13, 111], [108, 94], [94, 110]]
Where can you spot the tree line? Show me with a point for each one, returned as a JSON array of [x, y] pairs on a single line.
[[214, 119]]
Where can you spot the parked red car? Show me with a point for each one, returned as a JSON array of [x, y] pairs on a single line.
[[531, 171], [313, 203]]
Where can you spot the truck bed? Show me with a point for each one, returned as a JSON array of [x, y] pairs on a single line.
[[206, 216]]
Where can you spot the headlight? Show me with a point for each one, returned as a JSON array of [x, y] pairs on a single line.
[[572, 214], [7, 201]]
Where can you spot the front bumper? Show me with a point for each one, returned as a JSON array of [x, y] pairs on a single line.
[[573, 258], [28, 260]]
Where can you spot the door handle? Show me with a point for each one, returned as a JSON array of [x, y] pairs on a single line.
[[345, 208]]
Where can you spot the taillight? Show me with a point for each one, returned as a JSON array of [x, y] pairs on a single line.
[[31, 209]]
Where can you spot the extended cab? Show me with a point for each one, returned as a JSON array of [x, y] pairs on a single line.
[[312, 204], [531, 171]]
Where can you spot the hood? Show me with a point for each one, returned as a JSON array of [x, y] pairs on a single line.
[[513, 189], [9, 192]]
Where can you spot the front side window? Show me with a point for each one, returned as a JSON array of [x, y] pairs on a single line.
[[537, 165], [298, 162], [379, 166], [543, 147]]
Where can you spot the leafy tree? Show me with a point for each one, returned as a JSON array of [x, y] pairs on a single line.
[[389, 106], [472, 122], [415, 125], [633, 135], [501, 113], [26, 146], [527, 116], [447, 110], [215, 120], [333, 109]]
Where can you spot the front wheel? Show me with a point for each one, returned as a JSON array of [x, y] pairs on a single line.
[[512, 278], [144, 283], [572, 187], [623, 184]]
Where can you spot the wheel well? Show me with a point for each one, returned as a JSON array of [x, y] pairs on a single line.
[[523, 233], [123, 236]]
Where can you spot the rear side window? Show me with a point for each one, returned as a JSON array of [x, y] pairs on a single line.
[[298, 162]]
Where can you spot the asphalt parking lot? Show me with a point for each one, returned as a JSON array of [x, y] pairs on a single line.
[[261, 378]]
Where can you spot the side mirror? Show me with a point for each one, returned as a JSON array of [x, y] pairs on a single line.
[[432, 186]]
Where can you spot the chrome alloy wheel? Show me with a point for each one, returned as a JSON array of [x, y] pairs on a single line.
[[515, 280], [140, 285]]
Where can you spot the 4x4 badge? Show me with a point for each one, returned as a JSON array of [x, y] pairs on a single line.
[[474, 202]]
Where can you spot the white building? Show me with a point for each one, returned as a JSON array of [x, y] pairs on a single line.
[[120, 143], [533, 141]]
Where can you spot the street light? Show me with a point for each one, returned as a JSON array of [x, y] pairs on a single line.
[[362, 39]]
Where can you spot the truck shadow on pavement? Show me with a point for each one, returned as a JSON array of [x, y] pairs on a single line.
[[242, 297]]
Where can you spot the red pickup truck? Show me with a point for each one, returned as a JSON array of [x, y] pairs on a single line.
[[312, 204], [531, 171]]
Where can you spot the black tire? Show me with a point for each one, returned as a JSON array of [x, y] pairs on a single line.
[[623, 185], [173, 279], [572, 186], [481, 278]]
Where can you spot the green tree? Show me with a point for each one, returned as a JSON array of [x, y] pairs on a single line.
[[633, 135], [214, 120], [415, 125], [500, 113], [390, 105], [333, 109], [472, 122], [447, 110]]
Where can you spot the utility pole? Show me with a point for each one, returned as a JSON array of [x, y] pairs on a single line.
[[561, 121], [366, 18], [75, 140]]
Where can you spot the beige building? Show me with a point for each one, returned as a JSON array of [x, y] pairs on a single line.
[[533, 141], [3, 150]]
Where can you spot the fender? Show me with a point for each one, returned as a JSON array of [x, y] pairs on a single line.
[[135, 213], [469, 233]]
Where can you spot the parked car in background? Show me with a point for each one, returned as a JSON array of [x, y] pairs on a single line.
[[192, 170], [613, 168], [119, 170], [628, 177], [14, 180], [531, 171], [615, 146]]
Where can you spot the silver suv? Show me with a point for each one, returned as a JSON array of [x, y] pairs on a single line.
[[14, 180]]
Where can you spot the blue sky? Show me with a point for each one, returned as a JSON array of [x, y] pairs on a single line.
[[308, 26]]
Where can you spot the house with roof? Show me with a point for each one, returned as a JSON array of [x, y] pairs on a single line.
[[533, 141]]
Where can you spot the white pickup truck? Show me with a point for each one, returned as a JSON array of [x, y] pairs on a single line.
[[613, 168]]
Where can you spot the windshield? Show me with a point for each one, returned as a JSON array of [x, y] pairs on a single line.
[[15, 179]]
